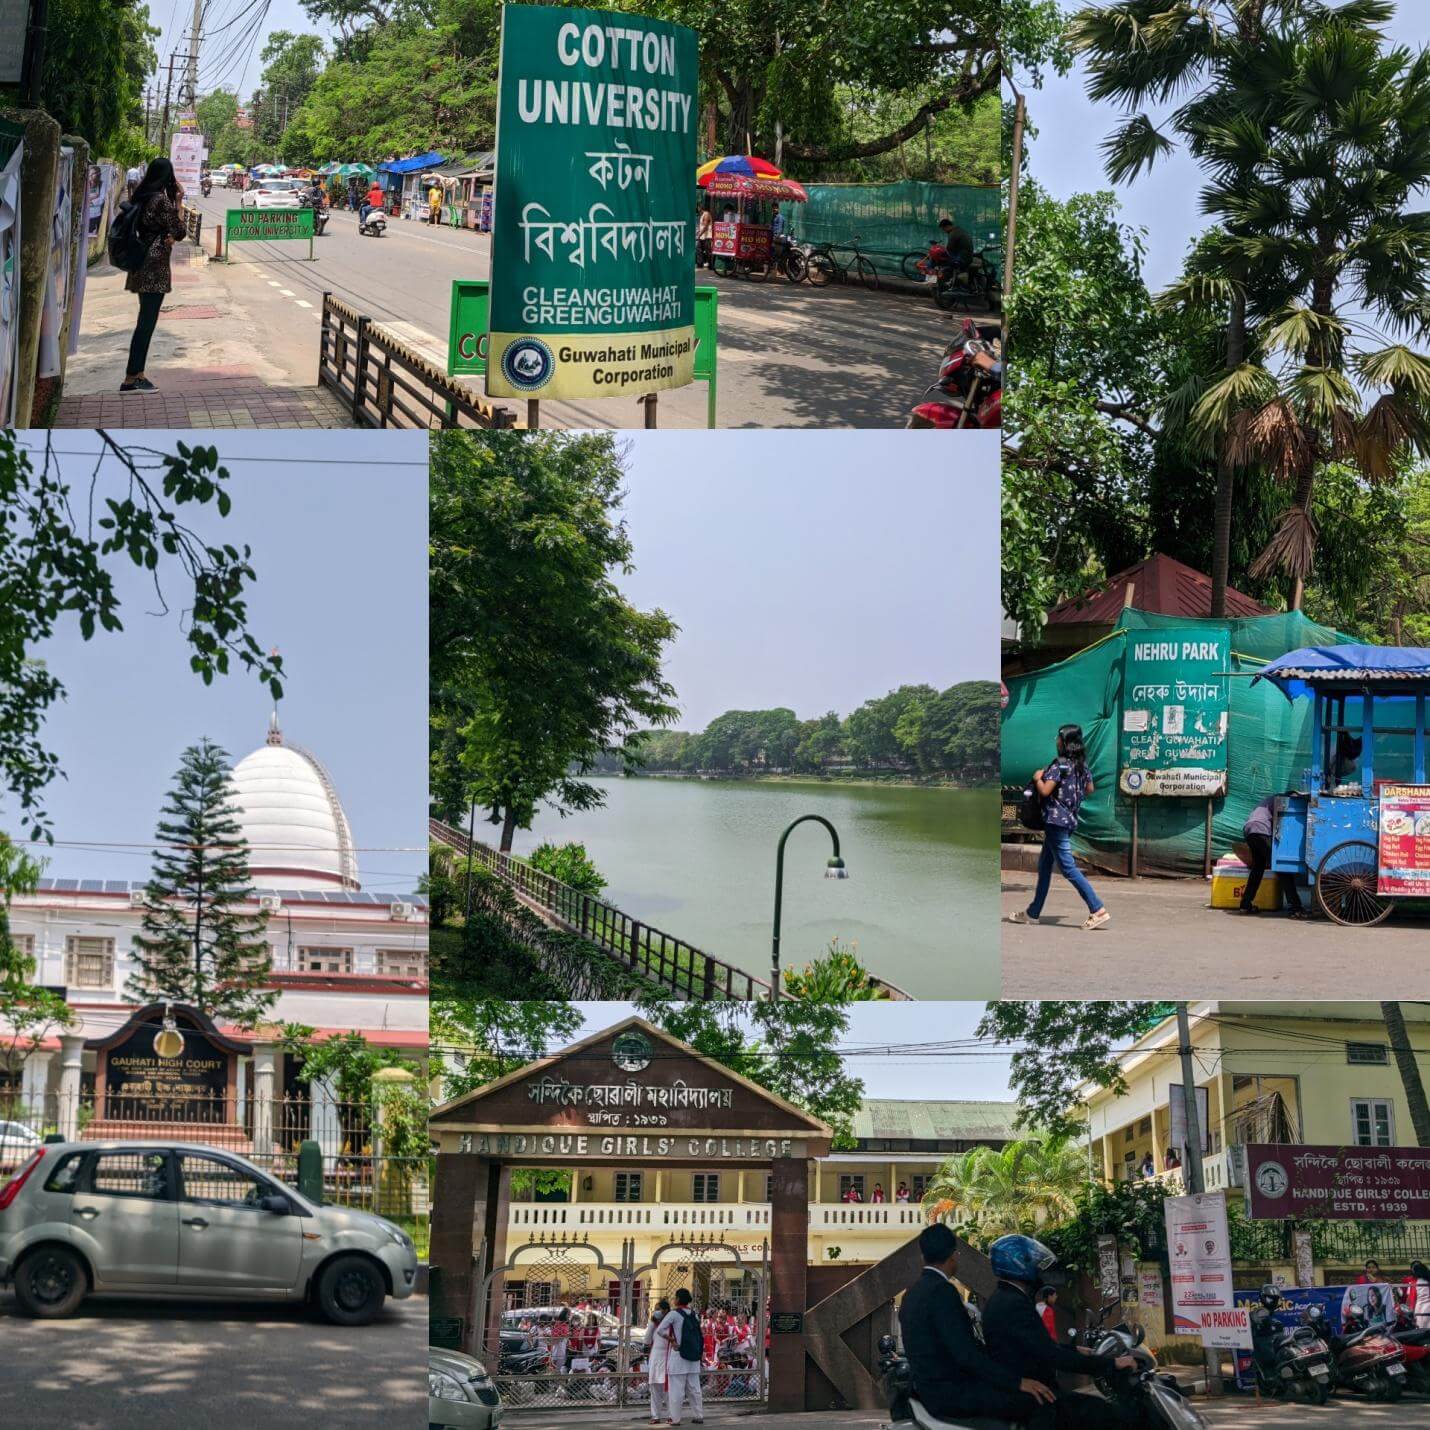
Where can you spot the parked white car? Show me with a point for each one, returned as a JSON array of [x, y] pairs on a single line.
[[273, 194], [16, 1143], [187, 1220], [220, 178]]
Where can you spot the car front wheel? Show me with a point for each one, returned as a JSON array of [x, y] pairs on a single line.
[[50, 1283], [350, 1291]]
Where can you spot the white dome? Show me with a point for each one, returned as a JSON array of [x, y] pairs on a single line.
[[290, 814]]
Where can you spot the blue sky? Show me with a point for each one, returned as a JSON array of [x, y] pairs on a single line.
[[1065, 157], [340, 553], [888, 1048], [815, 570]]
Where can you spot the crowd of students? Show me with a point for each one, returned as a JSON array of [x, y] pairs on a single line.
[[852, 1194]]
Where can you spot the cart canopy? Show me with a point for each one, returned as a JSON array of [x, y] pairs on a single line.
[[1299, 672]]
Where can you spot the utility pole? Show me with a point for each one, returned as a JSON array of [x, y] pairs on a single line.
[[1192, 1163], [191, 75], [32, 67], [163, 136], [1020, 119]]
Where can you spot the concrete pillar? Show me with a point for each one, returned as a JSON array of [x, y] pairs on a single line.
[[34, 1083], [39, 172], [71, 1066], [79, 229], [789, 1256], [323, 1125], [265, 1058]]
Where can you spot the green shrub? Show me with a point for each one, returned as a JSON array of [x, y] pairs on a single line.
[[569, 864]]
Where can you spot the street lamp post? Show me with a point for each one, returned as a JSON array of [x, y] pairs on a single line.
[[834, 869]]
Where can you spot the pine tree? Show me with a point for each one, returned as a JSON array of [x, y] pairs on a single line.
[[198, 947]]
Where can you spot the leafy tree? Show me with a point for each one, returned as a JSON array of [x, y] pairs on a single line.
[[871, 729], [528, 630], [198, 946], [1022, 1187], [292, 64], [821, 742], [1131, 1211], [55, 567], [569, 864], [494, 1036], [789, 1047], [345, 1061]]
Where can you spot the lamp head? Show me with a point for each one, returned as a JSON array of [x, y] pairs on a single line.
[[835, 869], [168, 1041]]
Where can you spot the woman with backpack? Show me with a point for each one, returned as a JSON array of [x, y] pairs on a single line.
[[159, 221], [1062, 787]]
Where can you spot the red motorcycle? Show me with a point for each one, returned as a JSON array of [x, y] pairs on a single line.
[[968, 392], [1364, 1357]]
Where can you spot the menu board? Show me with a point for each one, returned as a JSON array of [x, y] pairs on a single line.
[[1174, 712], [1404, 840]]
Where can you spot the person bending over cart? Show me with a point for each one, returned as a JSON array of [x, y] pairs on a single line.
[[1257, 832]]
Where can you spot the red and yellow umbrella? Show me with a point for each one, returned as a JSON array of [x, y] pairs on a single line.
[[744, 166]]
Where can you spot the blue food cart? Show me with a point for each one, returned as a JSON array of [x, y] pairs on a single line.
[[1358, 831]]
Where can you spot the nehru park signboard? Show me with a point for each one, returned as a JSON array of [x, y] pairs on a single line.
[[1338, 1183], [593, 275], [1174, 712]]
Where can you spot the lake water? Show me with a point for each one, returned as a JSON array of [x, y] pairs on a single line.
[[696, 858]]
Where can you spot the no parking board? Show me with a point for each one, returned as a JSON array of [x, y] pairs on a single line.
[[593, 275], [244, 225]]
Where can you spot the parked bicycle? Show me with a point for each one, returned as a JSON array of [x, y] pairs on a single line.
[[824, 263]]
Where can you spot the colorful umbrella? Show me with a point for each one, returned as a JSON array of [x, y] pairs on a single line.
[[745, 166], [734, 186]]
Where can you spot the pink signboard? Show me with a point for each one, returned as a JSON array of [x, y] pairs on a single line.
[[747, 241], [1404, 840], [1338, 1183]]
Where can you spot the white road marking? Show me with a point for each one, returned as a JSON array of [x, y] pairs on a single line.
[[303, 304], [274, 283], [287, 293]]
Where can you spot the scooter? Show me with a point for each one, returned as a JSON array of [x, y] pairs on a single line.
[[1365, 1359], [907, 1412], [206, 186], [1146, 1395], [1414, 1340], [1289, 1361], [374, 225]]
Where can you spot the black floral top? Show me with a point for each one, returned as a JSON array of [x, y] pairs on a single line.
[[162, 218]]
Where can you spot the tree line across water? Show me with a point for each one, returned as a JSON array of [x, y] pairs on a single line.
[[914, 730]]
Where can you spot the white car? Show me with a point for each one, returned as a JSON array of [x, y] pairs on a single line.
[[273, 194], [17, 1142], [220, 179]]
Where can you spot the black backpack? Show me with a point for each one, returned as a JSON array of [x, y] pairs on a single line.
[[127, 248], [1030, 807], [692, 1342]]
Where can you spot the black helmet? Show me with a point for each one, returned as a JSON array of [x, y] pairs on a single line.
[[1270, 1297]]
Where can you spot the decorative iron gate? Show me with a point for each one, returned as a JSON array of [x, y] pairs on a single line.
[[538, 1357]]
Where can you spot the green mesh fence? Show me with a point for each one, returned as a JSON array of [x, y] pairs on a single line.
[[1268, 740], [894, 219]]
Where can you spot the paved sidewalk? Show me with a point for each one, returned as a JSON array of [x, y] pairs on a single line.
[[210, 359]]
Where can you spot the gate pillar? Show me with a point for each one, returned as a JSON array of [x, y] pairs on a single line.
[[789, 1253], [469, 1217]]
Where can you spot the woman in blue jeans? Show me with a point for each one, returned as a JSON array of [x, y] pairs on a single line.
[[1064, 785]]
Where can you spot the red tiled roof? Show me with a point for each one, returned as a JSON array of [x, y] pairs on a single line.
[[1159, 584], [348, 983], [379, 1037]]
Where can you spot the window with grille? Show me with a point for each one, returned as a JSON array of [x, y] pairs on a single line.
[[402, 962], [24, 944], [142, 1175], [1368, 1054], [325, 960], [254, 957], [769, 1187], [1145, 1125], [705, 1187], [1130, 1135], [206, 1179], [628, 1186], [89, 962], [1373, 1121], [851, 1181]]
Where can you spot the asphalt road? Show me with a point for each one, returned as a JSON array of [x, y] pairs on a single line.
[[1240, 1412], [1164, 941], [150, 1365], [789, 356]]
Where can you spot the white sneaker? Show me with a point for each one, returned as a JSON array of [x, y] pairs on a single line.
[[1021, 916]]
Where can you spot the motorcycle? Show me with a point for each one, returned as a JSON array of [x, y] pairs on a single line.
[[907, 1412], [1363, 1357], [966, 394], [1146, 1395], [1414, 1339], [374, 225], [320, 215], [1291, 1361], [206, 186]]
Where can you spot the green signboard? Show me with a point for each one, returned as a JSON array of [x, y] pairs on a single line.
[[467, 331], [1174, 712], [271, 225], [593, 235]]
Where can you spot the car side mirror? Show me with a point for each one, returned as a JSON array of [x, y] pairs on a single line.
[[276, 1203]]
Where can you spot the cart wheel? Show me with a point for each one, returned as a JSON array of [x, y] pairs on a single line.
[[821, 269], [1345, 885]]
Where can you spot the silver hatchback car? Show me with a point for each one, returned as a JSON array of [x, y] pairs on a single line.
[[192, 1221]]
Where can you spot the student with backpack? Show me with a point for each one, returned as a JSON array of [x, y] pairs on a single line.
[[139, 243], [682, 1331], [1058, 792]]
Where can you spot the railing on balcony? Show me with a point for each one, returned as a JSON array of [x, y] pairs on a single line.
[[538, 1217]]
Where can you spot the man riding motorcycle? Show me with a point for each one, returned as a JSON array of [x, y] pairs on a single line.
[[953, 1374], [1019, 1341]]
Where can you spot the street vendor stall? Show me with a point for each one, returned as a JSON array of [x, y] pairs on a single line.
[[1358, 831], [746, 239], [467, 188], [412, 177]]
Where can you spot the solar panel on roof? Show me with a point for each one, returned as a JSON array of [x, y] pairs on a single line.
[[66, 884], [117, 886], [91, 886]]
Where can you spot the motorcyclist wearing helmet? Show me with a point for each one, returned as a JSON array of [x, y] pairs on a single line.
[[953, 1375], [1264, 1327], [1018, 1339]]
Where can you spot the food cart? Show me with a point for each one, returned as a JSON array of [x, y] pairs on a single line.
[[1359, 831], [747, 240]]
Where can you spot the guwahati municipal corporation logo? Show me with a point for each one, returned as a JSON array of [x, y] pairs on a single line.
[[527, 364], [1271, 1179], [1133, 781]]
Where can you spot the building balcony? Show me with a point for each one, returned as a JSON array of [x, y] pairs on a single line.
[[591, 1218]]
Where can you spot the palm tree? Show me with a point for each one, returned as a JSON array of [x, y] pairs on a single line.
[[1015, 1188]]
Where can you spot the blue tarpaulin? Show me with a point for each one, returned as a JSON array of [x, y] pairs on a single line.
[[1298, 671], [412, 165]]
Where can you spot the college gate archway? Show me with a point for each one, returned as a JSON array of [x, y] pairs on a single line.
[[636, 1099]]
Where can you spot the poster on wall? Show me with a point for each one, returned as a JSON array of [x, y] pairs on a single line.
[[1149, 1287], [1175, 705], [1404, 840], [10, 285], [1199, 1248], [593, 235], [14, 22], [186, 151], [59, 273]]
